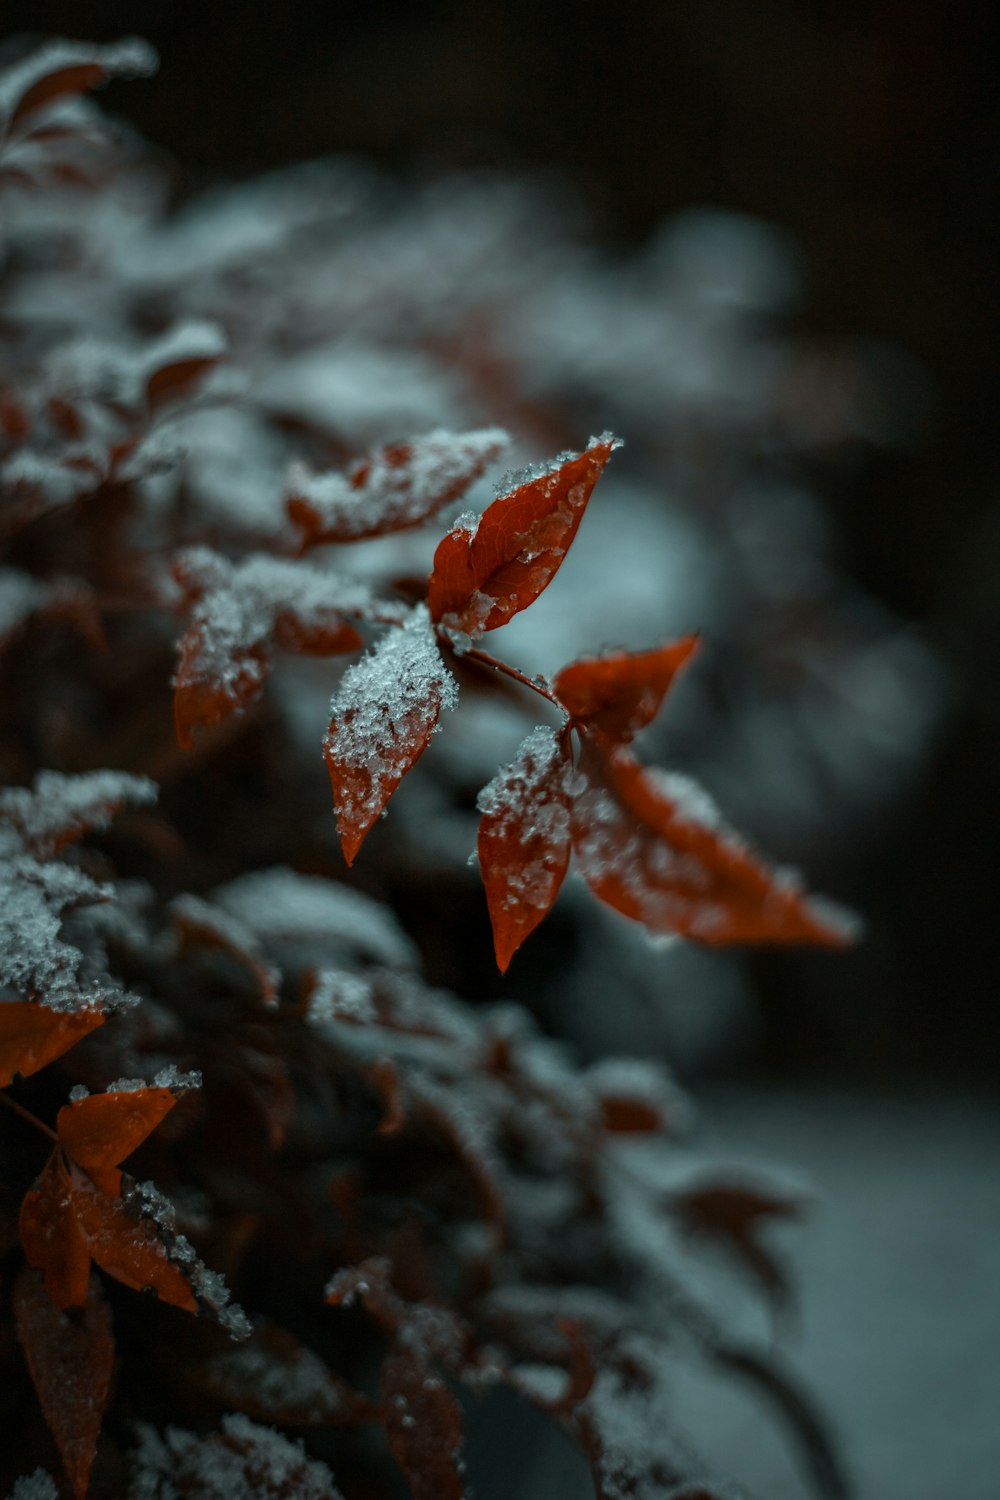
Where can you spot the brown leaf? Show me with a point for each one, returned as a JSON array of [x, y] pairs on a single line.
[[71, 1360]]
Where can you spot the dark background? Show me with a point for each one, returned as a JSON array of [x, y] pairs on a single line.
[[868, 131]]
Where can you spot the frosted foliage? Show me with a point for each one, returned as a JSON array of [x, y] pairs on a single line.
[[35, 960], [526, 802], [384, 700], [242, 1461], [37, 1486], [59, 808], [638, 1454], [389, 492], [208, 1285], [645, 1082], [237, 614], [129, 58], [282, 907], [298, 1379]]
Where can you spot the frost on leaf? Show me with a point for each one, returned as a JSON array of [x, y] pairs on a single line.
[[393, 488], [654, 847], [35, 891], [481, 578], [381, 722], [60, 68], [71, 1363], [618, 694], [242, 1461], [524, 840], [67, 1221], [174, 364], [242, 611]]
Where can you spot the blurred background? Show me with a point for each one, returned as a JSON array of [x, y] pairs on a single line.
[[809, 189]]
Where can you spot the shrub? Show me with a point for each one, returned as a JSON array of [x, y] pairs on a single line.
[[244, 1084]]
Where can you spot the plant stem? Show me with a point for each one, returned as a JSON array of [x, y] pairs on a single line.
[[27, 1115], [486, 660]]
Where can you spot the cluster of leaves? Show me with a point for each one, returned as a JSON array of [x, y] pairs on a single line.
[[418, 1202]]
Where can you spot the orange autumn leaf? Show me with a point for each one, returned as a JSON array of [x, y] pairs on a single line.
[[101, 1130], [484, 576], [71, 1361], [618, 694], [126, 1248], [52, 1239], [524, 840], [653, 846], [32, 1035], [382, 718]]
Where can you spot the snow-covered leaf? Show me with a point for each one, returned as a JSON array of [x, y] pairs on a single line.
[[654, 847], [487, 570], [381, 721], [243, 611], [59, 68], [524, 839], [393, 488]]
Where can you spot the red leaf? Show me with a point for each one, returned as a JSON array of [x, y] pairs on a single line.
[[127, 1249], [242, 612], [731, 1212], [394, 488], [51, 1238], [382, 719], [618, 694], [33, 1035], [524, 840], [653, 847], [484, 576], [71, 1362], [423, 1425], [101, 1130]]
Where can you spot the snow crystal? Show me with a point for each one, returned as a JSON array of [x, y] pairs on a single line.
[[171, 1077], [208, 1285], [77, 1092], [127, 1086], [402, 679], [392, 494], [281, 906]]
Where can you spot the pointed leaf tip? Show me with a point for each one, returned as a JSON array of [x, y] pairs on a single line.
[[484, 576]]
